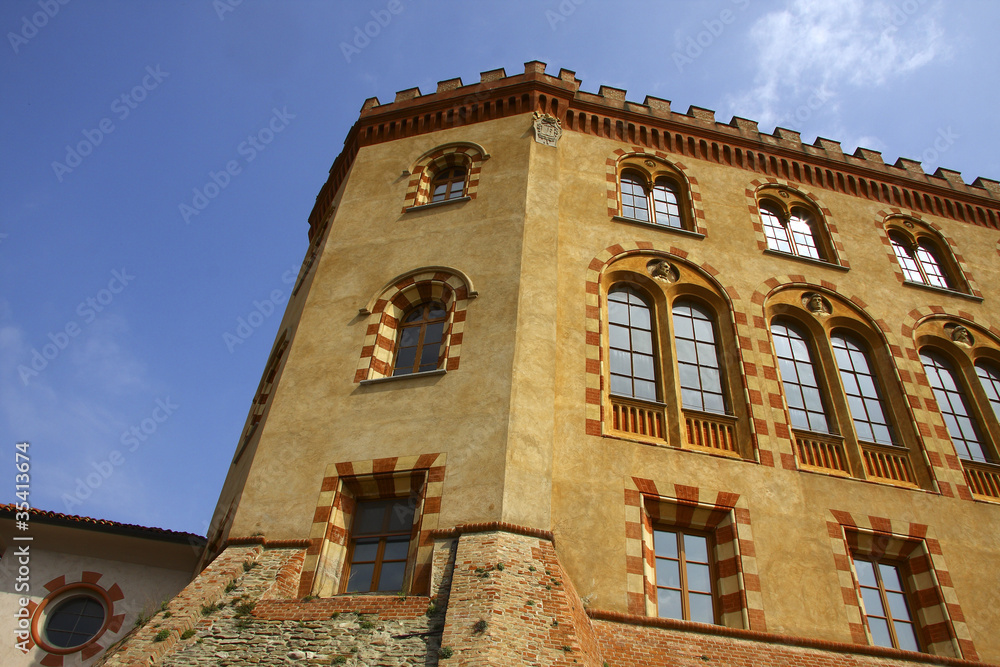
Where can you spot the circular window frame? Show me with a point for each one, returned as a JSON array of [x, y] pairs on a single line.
[[62, 594]]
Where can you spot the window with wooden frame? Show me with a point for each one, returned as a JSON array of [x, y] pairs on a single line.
[[923, 256], [418, 345], [848, 413], [652, 191], [379, 545], [669, 351], [684, 575], [448, 183], [886, 609], [793, 225], [962, 365]]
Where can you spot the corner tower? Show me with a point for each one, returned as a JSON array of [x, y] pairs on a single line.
[[567, 379]]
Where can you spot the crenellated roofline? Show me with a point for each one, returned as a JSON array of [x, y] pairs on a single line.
[[652, 125]]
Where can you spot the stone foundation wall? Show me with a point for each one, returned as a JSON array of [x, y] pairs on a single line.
[[500, 599]]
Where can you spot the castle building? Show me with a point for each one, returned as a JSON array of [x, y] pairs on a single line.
[[572, 380]]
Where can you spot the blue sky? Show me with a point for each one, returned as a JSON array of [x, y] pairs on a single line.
[[115, 304]]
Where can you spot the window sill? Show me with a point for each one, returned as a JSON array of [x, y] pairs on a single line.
[[943, 290], [807, 260], [435, 204], [391, 378], [653, 225]]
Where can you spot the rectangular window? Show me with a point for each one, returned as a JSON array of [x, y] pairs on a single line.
[[380, 542], [886, 608], [684, 580]]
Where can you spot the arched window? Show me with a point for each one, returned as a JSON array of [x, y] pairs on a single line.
[[652, 192], [698, 368], [954, 406], [798, 377], [920, 263], [666, 203], [923, 256], [791, 225], [670, 361], [630, 343], [989, 377], [448, 183], [418, 346], [864, 399], [635, 198]]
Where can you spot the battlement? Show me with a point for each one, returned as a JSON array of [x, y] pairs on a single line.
[[654, 124]]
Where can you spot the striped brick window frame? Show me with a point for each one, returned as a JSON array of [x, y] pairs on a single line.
[[419, 478], [465, 154], [939, 619], [725, 515], [825, 222], [904, 219], [692, 194], [450, 287], [62, 588]]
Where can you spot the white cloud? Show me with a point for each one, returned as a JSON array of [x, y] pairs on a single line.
[[812, 50]]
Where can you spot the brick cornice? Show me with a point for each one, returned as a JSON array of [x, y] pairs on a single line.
[[492, 526], [775, 638]]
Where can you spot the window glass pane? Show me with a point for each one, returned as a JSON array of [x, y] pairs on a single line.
[[635, 203], [669, 603], [668, 573], [429, 356], [685, 350], [619, 336], [801, 226], [432, 333], [640, 316], [701, 608], [905, 258], [645, 390], [688, 375], [409, 336], [699, 578], [897, 606], [880, 632], [642, 366], [696, 548], [404, 361], [873, 602], [774, 230], [620, 362], [368, 517], [391, 576], [715, 403], [866, 573], [365, 550], [907, 638], [665, 543], [863, 398], [951, 400], [401, 515], [927, 256], [642, 341], [890, 577], [989, 376], [360, 579], [665, 204], [617, 311], [621, 385], [801, 387]]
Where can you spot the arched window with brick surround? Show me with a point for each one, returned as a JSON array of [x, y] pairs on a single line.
[[415, 325], [446, 173], [962, 365], [847, 410], [924, 257], [792, 225], [670, 346], [655, 192]]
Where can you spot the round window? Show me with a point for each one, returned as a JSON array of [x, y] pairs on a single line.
[[74, 622]]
